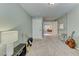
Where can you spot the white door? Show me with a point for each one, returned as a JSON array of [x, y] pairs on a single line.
[[37, 28]]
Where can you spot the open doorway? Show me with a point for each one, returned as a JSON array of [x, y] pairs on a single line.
[[50, 28]]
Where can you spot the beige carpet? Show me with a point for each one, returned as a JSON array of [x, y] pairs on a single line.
[[51, 46]]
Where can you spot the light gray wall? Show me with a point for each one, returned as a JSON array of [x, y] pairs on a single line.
[[13, 17], [70, 21], [73, 21], [25, 30]]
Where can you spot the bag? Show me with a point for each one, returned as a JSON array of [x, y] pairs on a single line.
[[71, 43]]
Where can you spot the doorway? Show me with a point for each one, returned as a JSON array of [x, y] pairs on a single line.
[[50, 28]]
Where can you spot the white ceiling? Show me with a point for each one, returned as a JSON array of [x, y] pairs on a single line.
[[47, 10]]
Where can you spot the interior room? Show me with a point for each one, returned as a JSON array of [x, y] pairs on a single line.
[[39, 29], [50, 28]]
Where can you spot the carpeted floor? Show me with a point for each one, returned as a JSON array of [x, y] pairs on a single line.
[[51, 46]]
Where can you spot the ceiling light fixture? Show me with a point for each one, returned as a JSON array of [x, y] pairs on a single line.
[[51, 3]]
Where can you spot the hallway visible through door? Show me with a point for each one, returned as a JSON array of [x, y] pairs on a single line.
[[50, 28]]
